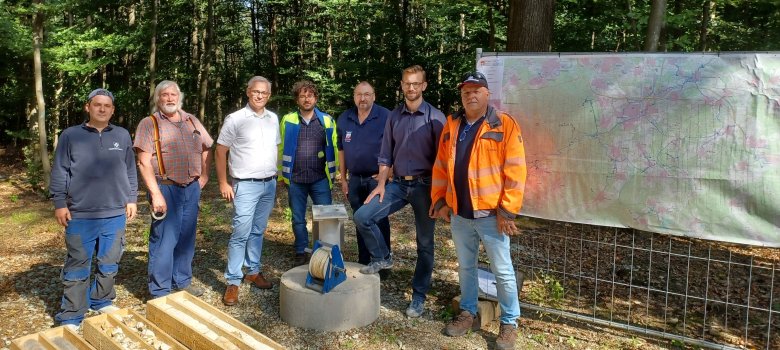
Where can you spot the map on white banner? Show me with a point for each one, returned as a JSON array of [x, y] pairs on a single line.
[[683, 144]]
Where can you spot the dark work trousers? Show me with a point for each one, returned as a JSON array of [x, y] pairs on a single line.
[[82, 238]]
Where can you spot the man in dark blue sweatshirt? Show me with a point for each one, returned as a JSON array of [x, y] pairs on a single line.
[[94, 188]]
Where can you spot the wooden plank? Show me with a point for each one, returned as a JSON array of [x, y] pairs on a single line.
[[231, 325], [188, 331], [62, 338], [29, 342], [199, 325]]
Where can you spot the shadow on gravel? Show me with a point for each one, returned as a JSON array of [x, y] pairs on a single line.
[[40, 281]]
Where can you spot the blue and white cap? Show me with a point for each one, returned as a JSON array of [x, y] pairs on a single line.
[[475, 78]]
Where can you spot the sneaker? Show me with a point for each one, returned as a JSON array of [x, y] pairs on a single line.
[[107, 309], [416, 308], [507, 335], [71, 326], [462, 323], [376, 266], [192, 289]]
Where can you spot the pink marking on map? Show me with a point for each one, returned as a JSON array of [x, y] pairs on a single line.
[[620, 176], [600, 84], [608, 64], [605, 122], [551, 67], [729, 131], [630, 123], [774, 80], [674, 96], [752, 142], [742, 165], [632, 110], [615, 152], [536, 82], [601, 197]]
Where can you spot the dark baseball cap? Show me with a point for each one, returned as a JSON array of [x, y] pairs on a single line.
[[102, 92], [475, 78]]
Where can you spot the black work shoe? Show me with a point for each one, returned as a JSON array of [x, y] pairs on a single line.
[[192, 289], [301, 259]]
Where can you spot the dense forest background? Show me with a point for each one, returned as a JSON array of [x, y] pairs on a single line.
[[53, 52]]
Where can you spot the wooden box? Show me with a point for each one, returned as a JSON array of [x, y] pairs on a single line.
[[200, 326], [105, 332], [60, 338]]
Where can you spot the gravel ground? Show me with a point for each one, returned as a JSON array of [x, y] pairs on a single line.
[[32, 251]]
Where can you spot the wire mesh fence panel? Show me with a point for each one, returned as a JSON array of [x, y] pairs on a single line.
[[701, 292]]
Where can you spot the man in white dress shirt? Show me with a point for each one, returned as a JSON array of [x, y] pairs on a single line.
[[247, 146]]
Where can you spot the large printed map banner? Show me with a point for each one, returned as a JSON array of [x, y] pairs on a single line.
[[684, 144]]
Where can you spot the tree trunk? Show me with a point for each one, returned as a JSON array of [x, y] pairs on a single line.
[[403, 52], [58, 107], [491, 26], [272, 28], [41, 104], [255, 33], [530, 25], [655, 24], [706, 15], [206, 64], [153, 54]]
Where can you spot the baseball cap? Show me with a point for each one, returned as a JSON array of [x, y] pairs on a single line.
[[100, 91], [475, 78]]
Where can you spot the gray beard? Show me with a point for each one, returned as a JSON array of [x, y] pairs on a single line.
[[169, 109]]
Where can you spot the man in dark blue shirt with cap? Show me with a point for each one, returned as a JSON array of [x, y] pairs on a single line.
[[360, 130], [94, 189]]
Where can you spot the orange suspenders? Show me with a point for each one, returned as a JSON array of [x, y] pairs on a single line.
[[158, 147]]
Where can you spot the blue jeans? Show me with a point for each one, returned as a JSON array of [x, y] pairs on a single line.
[[398, 194], [298, 194], [82, 238], [172, 240], [253, 202], [466, 235], [359, 189]]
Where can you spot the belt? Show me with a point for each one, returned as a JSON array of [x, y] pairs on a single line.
[[174, 183], [265, 179], [413, 177]]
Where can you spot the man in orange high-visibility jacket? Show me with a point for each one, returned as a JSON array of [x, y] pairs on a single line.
[[479, 176]]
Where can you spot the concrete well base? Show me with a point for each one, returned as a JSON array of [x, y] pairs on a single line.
[[353, 303]]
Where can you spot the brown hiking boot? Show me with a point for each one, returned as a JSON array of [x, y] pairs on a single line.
[[231, 295], [258, 281], [507, 335], [462, 323]]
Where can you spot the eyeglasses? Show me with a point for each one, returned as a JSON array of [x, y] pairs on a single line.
[[261, 93], [408, 85], [304, 97], [464, 132]]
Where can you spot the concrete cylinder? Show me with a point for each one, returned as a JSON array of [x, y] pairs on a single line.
[[353, 303]]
